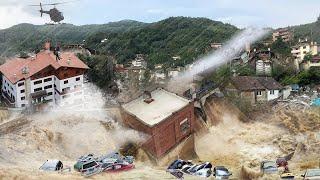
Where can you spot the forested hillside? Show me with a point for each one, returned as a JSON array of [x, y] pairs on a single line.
[[28, 37], [176, 36]]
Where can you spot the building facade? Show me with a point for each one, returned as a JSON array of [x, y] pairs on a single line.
[[254, 89], [166, 117], [283, 33], [43, 79]]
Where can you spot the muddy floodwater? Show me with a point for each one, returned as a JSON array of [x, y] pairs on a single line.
[[226, 140]]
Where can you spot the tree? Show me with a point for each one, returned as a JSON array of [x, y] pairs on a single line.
[[308, 57], [281, 48]]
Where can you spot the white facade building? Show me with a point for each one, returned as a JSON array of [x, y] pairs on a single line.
[[42, 79]]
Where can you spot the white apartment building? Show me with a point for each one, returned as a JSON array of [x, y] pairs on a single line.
[[43, 79]]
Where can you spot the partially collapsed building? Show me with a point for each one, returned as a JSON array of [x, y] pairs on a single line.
[[167, 118]]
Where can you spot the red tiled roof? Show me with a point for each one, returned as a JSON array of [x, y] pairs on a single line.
[[12, 69]]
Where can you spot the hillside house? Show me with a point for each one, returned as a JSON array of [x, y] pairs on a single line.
[[301, 49], [47, 77], [166, 117], [314, 62], [283, 33], [254, 89], [261, 62], [215, 45]]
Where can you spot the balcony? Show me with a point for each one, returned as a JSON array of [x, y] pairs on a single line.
[[8, 100]]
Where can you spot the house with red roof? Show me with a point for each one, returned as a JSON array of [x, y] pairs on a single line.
[[47, 77]]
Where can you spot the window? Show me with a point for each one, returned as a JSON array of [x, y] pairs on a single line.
[[38, 89], [23, 98], [65, 89], [20, 84], [48, 87], [78, 79], [65, 82], [184, 126], [49, 93], [23, 105], [47, 79], [22, 91], [37, 82], [259, 93], [271, 91]]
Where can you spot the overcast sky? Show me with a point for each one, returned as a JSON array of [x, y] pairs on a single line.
[[242, 13]]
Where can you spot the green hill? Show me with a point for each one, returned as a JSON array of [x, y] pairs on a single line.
[[27, 37], [183, 36], [311, 31], [175, 36]]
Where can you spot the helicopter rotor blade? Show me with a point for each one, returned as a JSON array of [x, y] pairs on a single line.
[[57, 3]]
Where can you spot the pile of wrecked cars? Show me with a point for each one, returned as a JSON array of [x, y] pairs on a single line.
[[89, 165], [180, 167]]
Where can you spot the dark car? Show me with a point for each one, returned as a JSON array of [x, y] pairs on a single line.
[[220, 172], [176, 167]]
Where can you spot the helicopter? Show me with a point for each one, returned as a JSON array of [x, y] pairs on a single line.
[[55, 15]]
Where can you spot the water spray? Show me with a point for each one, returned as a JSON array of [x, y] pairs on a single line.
[[221, 56]]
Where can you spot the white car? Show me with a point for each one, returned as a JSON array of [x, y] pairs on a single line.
[[202, 170], [54, 165]]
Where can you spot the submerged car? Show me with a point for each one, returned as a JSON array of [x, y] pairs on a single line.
[[117, 156], [287, 175], [220, 172], [90, 168], [116, 162], [52, 165], [311, 174], [175, 168], [268, 167], [202, 170], [180, 167]]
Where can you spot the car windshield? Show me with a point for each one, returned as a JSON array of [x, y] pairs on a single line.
[[89, 165], [313, 172], [222, 172], [49, 165], [269, 165]]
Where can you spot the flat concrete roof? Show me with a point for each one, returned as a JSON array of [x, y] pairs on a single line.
[[165, 103]]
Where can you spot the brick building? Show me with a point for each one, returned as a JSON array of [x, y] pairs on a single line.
[[165, 116]]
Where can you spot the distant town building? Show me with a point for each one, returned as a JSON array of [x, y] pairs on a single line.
[[175, 58], [314, 62], [262, 62], [215, 45], [139, 61], [158, 66], [301, 49], [283, 33], [47, 78], [254, 89], [167, 118]]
